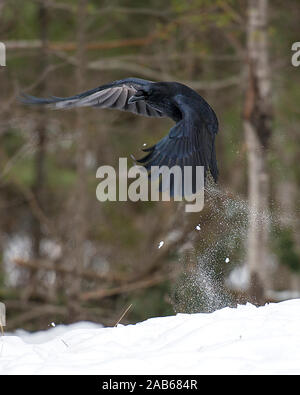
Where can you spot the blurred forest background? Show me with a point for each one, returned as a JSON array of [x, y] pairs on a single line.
[[64, 256]]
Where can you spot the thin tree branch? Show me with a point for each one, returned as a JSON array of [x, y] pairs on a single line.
[[114, 64], [37, 312], [106, 292], [109, 9], [72, 46], [43, 264]]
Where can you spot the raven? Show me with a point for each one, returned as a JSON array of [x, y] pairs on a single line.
[[190, 142]]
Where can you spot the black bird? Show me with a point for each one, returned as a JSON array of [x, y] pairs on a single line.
[[190, 142]]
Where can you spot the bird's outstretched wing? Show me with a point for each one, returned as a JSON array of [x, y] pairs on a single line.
[[114, 96], [191, 142]]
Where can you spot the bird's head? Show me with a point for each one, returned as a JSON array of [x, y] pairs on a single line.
[[140, 94], [159, 95], [151, 93]]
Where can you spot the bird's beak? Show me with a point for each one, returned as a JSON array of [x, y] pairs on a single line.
[[136, 97]]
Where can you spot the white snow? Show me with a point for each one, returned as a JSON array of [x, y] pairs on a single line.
[[245, 340], [161, 243]]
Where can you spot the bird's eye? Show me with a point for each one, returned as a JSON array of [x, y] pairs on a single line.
[[140, 92]]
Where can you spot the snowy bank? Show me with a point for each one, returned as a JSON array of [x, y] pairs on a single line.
[[246, 340]]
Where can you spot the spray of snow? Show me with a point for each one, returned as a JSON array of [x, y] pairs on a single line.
[[202, 288]]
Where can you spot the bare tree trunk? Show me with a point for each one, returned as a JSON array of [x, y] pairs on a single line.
[[257, 126], [40, 155], [78, 231], [287, 196]]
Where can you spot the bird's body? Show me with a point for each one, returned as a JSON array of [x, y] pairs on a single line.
[[190, 142]]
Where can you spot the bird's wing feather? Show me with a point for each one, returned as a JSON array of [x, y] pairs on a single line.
[[113, 96], [191, 142]]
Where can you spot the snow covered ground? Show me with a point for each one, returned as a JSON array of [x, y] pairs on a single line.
[[246, 340]]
